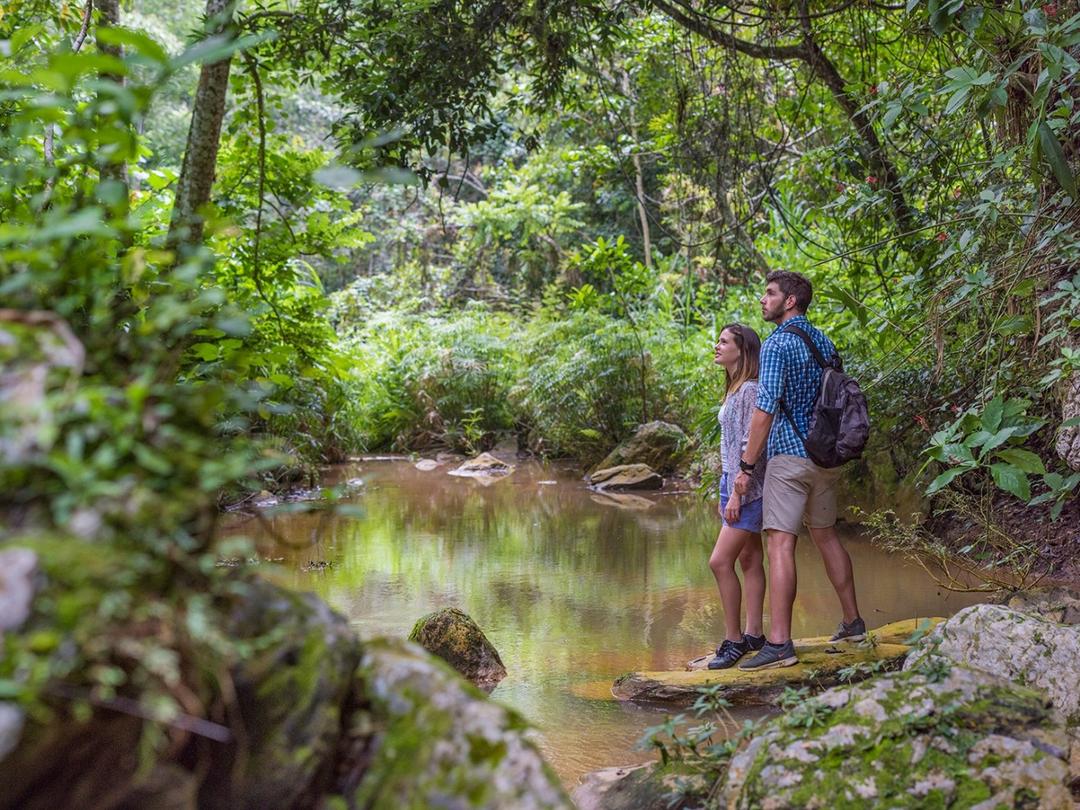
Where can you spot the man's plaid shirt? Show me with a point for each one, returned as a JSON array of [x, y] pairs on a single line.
[[788, 371]]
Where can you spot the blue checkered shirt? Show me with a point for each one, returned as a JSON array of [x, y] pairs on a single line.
[[789, 372]]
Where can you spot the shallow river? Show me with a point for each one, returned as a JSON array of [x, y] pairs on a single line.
[[573, 588]]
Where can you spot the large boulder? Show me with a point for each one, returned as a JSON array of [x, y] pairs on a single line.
[[1020, 647], [945, 737], [433, 740], [660, 445], [290, 693], [626, 476], [278, 705], [453, 636]]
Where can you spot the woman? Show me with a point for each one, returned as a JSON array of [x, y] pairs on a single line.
[[737, 351]]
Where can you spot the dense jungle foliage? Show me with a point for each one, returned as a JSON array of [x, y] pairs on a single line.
[[243, 238]]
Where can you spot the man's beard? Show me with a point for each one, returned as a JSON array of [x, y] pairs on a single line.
[[771, 315]]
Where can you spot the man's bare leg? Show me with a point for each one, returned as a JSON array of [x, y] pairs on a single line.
[[783, 581], [837, 567]]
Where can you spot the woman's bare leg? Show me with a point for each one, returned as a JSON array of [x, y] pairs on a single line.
[[729, 545], [753, 575]]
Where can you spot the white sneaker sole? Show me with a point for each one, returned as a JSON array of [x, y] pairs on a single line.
[[783, 662], [861, 637]]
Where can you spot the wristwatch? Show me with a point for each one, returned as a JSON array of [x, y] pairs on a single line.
[[746, 467]]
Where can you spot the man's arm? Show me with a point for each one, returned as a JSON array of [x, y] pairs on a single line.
[[760, 424]]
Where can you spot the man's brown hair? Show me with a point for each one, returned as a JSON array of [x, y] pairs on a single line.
[[792, 283]]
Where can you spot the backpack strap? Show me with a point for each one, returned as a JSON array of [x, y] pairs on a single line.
[[819, 358]]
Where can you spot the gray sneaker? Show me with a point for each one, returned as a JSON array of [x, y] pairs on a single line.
[[856, 631], [771, 656]]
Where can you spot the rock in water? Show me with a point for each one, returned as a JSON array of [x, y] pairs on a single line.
[[438, 743], [1018, 646], [626, 476], [660, 445], [426, 464], [484, 465], [454, 637], [952, 737], [643, 787]]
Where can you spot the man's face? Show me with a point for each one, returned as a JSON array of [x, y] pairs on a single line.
[[773, 302]]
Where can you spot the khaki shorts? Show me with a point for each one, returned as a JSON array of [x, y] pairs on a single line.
[[798, 491]]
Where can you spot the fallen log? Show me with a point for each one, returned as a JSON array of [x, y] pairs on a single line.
[[822, 664]]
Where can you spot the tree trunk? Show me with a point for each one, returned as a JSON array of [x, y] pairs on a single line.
[[117, 169], [204, 136], [639, 178]]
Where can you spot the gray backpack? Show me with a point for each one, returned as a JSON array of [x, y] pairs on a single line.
[[839, 422]]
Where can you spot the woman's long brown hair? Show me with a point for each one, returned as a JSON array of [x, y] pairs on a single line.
[[749, 353]]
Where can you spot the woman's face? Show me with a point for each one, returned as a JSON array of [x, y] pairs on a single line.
[[727, 350]]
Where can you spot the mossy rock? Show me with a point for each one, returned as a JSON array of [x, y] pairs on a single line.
[[952, 737], [821, 664], [430, 739], [290, 694], [453, 636], [1022, 647], [659, 445]]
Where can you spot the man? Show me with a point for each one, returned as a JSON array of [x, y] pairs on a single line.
[[796, 490]]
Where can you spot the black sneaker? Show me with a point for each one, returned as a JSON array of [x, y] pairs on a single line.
[[856, 631], [771, 656], [754, 642], [729, 653]]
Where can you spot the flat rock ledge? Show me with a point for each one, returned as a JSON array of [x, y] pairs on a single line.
[[484, 465], [626, 476], [822, 664]]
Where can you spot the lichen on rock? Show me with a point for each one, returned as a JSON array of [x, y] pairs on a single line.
[[1021, 647], [453, 636], [984, 741], [438, 742]]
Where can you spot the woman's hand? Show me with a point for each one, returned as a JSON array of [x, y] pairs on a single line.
[[742, 483], [731, 513]]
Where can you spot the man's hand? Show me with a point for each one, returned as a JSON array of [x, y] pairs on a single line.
[[742, 483], [731, 514]]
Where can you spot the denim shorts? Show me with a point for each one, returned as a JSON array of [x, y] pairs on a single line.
[[750, 513]]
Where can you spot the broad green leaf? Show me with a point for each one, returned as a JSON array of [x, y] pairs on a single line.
[[133, 39], [1012, 480], [991, 415], [1055, 156], [958, 98], [1024, 459], [945, 479], [998, 439], [1074, 422]]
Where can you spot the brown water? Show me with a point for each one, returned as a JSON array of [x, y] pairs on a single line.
[[573, 588]]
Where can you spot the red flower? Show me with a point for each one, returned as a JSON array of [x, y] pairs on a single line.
[[1050, 10], [921, 420], [871, 179], [840, 188], [873, 89], [941, 237]]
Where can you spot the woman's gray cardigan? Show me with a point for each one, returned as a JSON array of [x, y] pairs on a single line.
[[734, 431]]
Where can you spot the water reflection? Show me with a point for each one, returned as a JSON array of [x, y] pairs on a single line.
[[571, 587]]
